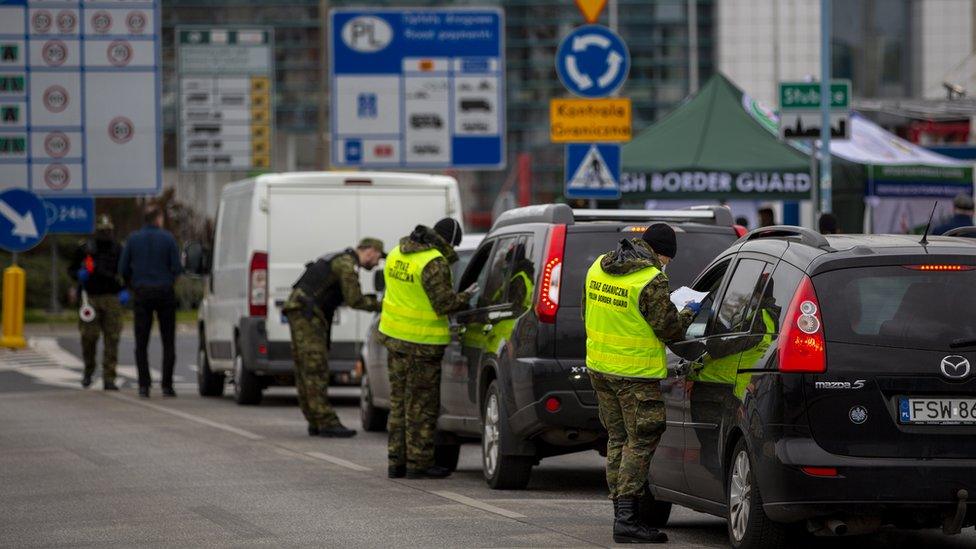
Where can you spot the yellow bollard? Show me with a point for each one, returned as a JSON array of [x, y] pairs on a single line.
[[13, 308]]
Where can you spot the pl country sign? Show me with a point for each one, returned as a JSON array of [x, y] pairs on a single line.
[[716, 184]]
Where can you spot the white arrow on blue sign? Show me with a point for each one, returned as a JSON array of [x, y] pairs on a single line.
[[592, 170], [592, 61], [23, 220]]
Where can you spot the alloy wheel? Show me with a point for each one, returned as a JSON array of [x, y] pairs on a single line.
[[740, 496], [490, 444]]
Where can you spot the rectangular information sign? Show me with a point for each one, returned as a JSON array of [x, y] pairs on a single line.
[[590, 120], [70, 215]]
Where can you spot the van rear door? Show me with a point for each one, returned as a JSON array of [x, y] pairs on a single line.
[[900, 348]]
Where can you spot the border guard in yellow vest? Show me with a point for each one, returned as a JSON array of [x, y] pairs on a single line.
[[629, 319], [414, 326]]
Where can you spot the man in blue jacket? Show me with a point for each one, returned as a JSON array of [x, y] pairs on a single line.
[[962, 210], [149, 265]]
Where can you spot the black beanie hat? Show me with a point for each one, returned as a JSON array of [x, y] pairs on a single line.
[[660, 237], [450, 230]]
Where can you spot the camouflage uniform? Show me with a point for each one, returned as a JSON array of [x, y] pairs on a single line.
[[310, 339], [631, 409], [108, 323], [415, 369]]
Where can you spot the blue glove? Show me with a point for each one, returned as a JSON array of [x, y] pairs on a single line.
[[124, 297], [693, 306], [83, 275]]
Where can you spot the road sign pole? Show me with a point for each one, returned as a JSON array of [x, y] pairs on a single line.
[[55, 305], [826, 195]]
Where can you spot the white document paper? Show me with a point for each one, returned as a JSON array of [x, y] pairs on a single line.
[[685, 295]]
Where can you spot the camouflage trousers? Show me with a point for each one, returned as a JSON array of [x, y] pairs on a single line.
[[310, 351], [108, 324], [415, 381], [632, 411]]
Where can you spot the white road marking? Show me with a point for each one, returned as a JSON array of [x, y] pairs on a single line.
[[471, 502], [190, 417], [338, 461], [50, 347]]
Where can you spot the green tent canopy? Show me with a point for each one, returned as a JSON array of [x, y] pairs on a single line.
[[711, 147]]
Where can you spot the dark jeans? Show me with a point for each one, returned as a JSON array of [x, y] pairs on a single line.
[[160, 300]]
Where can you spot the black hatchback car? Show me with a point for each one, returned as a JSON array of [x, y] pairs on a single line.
[[514, 375], [827, 383]]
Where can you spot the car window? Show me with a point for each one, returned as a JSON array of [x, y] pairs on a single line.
[[710, 283], [897, 306], [464, 257], [475, 270], [742, 296], [776, 298], [494, 290]]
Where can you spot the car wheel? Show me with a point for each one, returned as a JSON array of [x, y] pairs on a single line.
[[209, 384], [447, 456], [654, 512], [247, 386], [373, 418], [748, 525], [501, 472]]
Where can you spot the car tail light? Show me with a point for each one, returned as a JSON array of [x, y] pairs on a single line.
[[740, 231], [940, 267], [801, 339], [257, 288], [820, 471], [552, 271]]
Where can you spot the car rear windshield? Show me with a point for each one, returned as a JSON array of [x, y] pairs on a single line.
[[695, 251], [897, 306]]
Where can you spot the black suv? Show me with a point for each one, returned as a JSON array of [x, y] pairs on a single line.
[[827, 383], [514, 374]]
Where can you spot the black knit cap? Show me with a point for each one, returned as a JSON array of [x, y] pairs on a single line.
[[450, 230], [660, 237]]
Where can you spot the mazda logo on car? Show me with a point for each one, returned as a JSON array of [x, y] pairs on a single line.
[[955, 367]]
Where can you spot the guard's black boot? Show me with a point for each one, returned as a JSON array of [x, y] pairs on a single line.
[[336, 431], [627, 527], [397, 471], [431, 472], [110, 386], [313, 431], [86, 381], [168, 392], [144, 392]]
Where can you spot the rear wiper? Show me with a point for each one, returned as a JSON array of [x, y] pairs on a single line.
[[962, 342]]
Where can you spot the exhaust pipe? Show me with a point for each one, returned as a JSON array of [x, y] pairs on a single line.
[[836, 527]]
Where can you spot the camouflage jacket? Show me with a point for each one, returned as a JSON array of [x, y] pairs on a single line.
[[437, 282], [668, 324], [343, 272]]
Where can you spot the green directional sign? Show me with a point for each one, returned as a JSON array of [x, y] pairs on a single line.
[[806, 95]]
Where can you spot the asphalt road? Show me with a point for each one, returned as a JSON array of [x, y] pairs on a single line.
[[85, 467]]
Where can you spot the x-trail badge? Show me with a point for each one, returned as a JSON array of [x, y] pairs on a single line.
[[955, 367]]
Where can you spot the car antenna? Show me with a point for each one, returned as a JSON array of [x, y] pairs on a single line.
[[925, 235]]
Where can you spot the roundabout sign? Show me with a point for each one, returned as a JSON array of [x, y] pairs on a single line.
[[592, 61]]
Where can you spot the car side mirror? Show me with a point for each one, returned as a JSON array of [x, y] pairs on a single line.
[[195, 259], [379, 283], [689, 350]]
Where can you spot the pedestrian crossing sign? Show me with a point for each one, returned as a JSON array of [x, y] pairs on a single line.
[[592, 170]]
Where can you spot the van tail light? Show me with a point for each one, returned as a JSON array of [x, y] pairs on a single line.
[[941, 268], [801, 339], [257, 287], [552, 271], [740, 231], [825, 472]]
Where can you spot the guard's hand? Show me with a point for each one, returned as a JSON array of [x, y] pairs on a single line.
[[124, 297], [693, 306], [472, 289], [83, 275]]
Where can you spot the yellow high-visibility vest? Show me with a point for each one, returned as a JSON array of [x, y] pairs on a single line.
[[619, 341], [407, 313]]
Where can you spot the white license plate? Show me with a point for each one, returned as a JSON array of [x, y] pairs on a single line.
[[936, 410]]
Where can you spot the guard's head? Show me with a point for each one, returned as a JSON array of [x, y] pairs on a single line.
[[828, 224], [450, 230], [963, 203], [104, 227], [153, 215], [660, 237], [370, 251]]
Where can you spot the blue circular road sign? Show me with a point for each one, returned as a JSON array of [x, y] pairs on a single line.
[[592, 61], [23, 220]]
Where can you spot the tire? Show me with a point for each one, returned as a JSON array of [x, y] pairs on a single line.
[[501, 472], [209, 384], [447, 456], [654, 512], [373, 418], [748, 525], [247, 386]]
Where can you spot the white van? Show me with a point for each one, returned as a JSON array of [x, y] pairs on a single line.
[[267, 229]]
